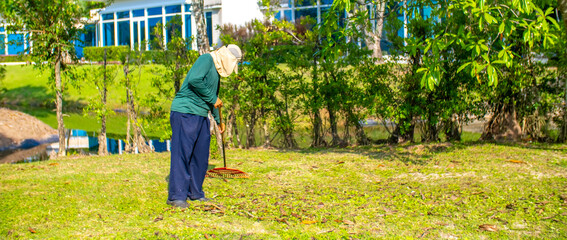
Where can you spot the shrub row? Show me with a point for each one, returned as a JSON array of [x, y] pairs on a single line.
[[15, 58], [117, 53], [114, 53]]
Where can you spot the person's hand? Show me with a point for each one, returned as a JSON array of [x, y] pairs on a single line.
[[222, 128], [218, 103]]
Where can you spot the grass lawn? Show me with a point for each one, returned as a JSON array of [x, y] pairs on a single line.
[[441, 191], [26, 85], [27, 90]]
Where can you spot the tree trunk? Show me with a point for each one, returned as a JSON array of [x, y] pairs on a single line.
[[235, 126], [503, 125], [373, 34], [361, 138], [401, 135], [229, 127], [128, 143], [563, 130], [102, 148], [336, 141], [452, 128], [250, 137], [562, 6], [136, 142], [267, 143], [317, 123], [59, 105], [430, 126], [199, 15]]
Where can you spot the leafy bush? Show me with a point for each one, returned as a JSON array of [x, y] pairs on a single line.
[[15, 58], [113, 53]]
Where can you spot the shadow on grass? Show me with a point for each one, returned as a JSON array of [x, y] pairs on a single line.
[[410, 154], [420, 153], [37, 100], [558, 147], [32, 96]]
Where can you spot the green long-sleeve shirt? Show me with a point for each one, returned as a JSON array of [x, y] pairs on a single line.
[[200, 89]]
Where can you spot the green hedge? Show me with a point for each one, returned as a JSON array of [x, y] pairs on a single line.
[[117, 54], [112, 53], [15, 58]]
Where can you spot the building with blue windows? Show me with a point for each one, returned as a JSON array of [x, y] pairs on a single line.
[[130, 22]]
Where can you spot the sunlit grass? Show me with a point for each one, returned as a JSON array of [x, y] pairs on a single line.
[[436, 191]]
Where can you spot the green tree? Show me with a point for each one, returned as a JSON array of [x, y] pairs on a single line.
[[54, 26], [101, 77], [135, 134], [501, 40]]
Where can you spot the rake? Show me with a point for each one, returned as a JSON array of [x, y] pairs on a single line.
[[225, 172]]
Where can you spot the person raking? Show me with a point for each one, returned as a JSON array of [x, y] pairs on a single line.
[[191, 138]]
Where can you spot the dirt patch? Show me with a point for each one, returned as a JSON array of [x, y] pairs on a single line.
[[15, 127]]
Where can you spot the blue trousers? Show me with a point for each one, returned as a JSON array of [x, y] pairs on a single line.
[[190, 144]]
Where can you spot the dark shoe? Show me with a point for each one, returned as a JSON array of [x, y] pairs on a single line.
[[178, 203], [203, 199]]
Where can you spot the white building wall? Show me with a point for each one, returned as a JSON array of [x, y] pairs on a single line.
[[241, 11]]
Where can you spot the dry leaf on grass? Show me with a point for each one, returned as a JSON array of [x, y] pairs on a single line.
[[31, 230], [348, 222], [488, 227], [308, 222], [516, 161]]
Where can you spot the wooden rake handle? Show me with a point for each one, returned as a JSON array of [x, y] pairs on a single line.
[[222, 136]]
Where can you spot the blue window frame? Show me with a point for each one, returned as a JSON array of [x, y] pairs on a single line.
[[287, 15], [125, 14], [188, 28], [2, 46], [187, 7], [400, 14], [15, 44], [209, 20], [135, 32], [124, 33], [108, 16], [79, 45], [138, 13], [173, 29], [324, 2], [152, 23], [277, 15], [154, 11], [305, 3], [2, 29], [311, 12], [98, 35], [173, 9], [108, 38], [142, 31], [90, 35]]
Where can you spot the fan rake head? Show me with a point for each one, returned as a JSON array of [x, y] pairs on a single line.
[[226, 173]]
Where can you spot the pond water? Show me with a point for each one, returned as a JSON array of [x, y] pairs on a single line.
[[38, 153], [79, 141]]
